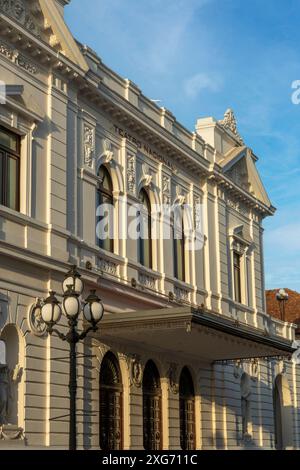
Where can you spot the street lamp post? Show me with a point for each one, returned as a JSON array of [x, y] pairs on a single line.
[[52, 311], [282, 297]]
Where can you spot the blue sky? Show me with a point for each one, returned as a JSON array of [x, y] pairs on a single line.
[[202, 56]]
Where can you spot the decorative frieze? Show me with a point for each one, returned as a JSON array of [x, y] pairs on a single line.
[[17, 58], [237, 206], [107, 267], [131, 174], [147, 281], [89, 144], [181, 294], [19, 11]]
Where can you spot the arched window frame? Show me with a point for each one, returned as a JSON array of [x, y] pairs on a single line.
[[111, 401], [152, 408], [145, 250], [105, 196], [187, 412]]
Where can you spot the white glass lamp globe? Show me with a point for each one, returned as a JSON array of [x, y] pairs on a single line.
[[51, 311], [93, 310], [73, 279], [71, 305], [282, 294]]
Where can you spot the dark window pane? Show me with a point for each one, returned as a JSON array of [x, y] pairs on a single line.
[[237, 277], [12, 183], [105, 198], [110, 404], [8, 140], [152, 424], [145, 240]]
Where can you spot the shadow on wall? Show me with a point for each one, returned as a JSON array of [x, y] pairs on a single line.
[[277, 415]]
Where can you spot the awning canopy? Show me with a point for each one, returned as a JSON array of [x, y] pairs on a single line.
[[188, 331]]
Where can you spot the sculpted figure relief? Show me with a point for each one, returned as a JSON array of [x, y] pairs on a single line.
[[4, 393], [8, 380], [246, 406]]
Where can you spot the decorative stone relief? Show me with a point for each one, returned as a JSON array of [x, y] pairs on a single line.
[[108, 151], [17, 58], [136, 372], [11, 433], [238, 370], [180, 198], [147, 281], [254, 369], [89, 144], [181, 294], [131, 174], [172, 375], [19, 10], [229, 123], [35, 321], [8, 378], [166, 190], [197, 214], [246, 407], [107, 266], [147, 177], [233, 204]]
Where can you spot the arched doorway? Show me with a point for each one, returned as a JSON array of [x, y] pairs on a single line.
[[111, 390], [283, 416], [152, 424], [187, 410]]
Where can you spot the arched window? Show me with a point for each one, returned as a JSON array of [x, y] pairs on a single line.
[[110, 404], [104, 221], [145, 239], [179, 243], [187, 411], [152, 408]]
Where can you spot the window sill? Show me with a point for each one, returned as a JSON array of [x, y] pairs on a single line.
[[20, 218]]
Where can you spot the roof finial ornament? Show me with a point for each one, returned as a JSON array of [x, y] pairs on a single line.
[[229, 123]]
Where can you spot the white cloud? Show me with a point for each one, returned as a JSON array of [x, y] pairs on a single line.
[[201, 81]]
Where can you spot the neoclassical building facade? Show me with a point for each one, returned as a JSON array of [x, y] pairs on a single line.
[[186, 356]]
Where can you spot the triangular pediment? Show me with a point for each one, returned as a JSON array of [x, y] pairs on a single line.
[[43, 19], [239, 165]]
